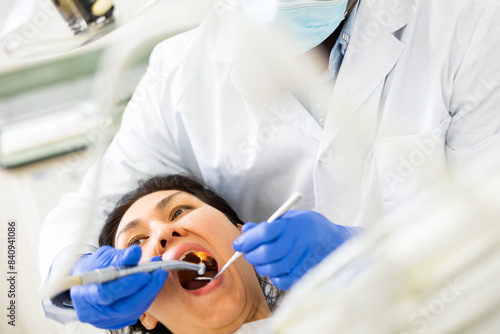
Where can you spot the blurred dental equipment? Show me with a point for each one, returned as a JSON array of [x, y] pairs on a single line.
[[43, 28], [284, 208], [18, 15], [112, 273], [47, 107], [432, 271]]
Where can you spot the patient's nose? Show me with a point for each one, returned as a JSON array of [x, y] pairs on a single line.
[[165, 234]]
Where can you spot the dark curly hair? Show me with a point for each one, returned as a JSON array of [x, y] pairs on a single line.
[[190, 186]]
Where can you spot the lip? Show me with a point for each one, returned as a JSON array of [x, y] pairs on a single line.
[[176, 255]]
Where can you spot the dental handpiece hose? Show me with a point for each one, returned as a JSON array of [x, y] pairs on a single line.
[[284, 208], [111, 273]]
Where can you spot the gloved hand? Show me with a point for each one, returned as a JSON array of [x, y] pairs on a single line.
[[287, 248], [119, 303]]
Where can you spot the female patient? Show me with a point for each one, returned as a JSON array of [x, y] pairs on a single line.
[[176, 218]]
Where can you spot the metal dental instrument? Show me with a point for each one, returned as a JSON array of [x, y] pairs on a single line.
[[284, 208], [112, 273]]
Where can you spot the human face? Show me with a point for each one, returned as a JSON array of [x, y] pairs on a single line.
[[172, 223]]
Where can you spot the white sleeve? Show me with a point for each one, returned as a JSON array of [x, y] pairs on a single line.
[[473, 139], [144, 146]]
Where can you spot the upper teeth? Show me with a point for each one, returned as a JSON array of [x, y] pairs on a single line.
[[183, 256]]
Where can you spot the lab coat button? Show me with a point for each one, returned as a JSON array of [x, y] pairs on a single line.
[[320, 105], [322, 121], [327, 156]]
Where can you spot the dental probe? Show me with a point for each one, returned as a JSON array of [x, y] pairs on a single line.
[[112, 273], [284, 208]]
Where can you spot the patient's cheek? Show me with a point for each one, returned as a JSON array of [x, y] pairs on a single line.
[[147, 254]]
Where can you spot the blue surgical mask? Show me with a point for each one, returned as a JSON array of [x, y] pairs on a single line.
[[307, 22]]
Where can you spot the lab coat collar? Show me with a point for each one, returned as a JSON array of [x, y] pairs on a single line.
[[393, 14], [372, 53], [229, 35]]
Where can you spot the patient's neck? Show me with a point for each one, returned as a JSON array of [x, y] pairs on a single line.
[[262, 311]]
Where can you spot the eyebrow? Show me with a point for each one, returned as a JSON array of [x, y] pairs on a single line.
[[164, 202], [159, 206], [134, 223]]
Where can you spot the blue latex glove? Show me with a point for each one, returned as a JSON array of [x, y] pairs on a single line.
[[287, 248], [119, 303]]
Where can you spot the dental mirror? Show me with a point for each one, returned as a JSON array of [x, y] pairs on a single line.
[[280, 212]]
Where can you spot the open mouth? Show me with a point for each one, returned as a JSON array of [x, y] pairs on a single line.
[[187, 278]]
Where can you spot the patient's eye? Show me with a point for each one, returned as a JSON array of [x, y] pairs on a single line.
[[138, 240], [179, 211]]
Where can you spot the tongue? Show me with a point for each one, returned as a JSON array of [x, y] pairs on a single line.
[[193, 285]]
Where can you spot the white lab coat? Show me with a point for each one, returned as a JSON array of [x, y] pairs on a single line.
[[417, 94]]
